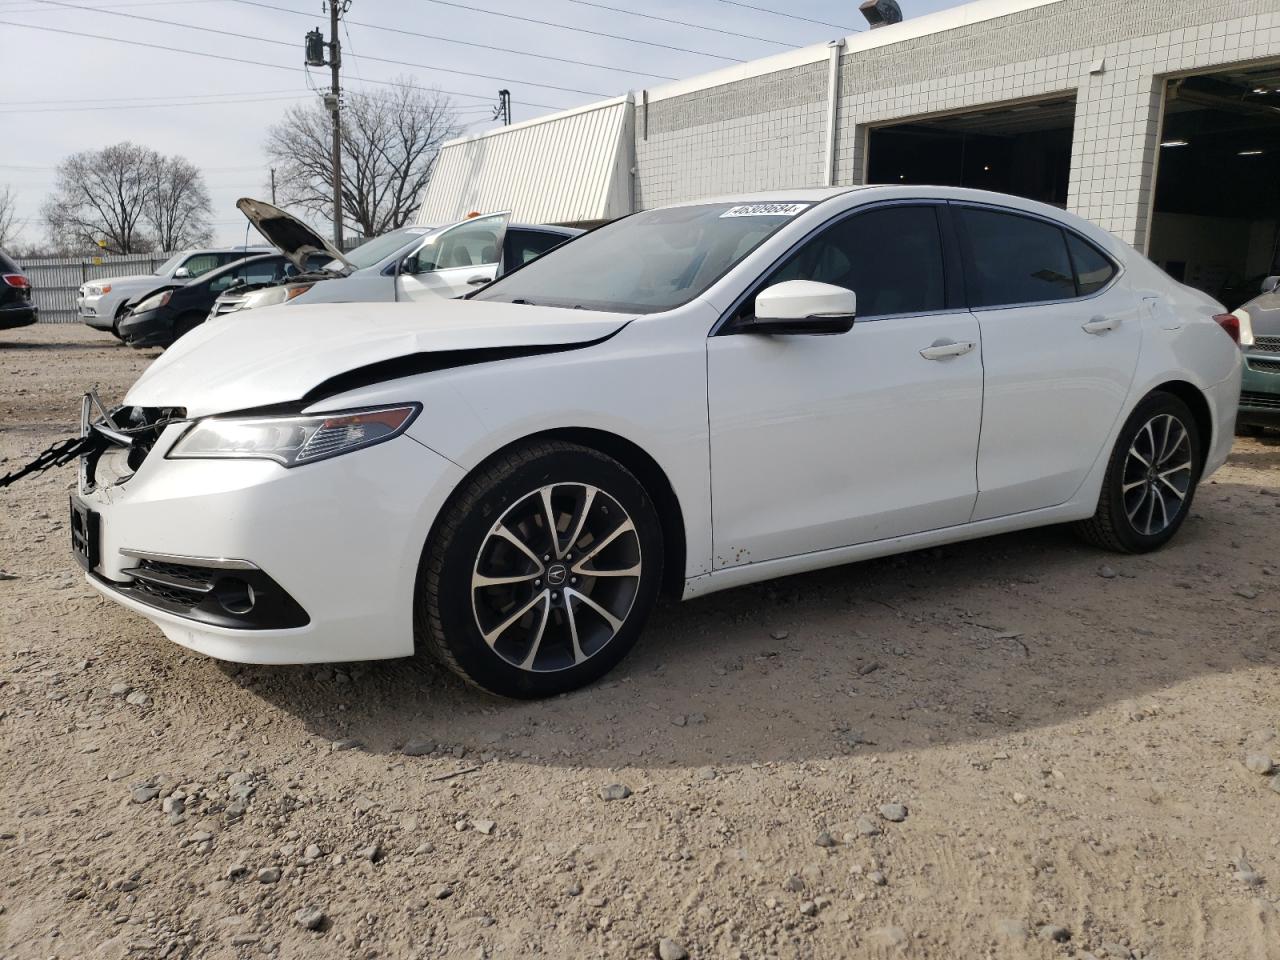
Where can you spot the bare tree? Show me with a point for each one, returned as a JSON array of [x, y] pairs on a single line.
[[102, 195], [9, 228], [390, 139], [178, 209]]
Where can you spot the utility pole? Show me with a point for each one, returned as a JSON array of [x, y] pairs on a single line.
[[273, 186], [315, 45], [503, 110]]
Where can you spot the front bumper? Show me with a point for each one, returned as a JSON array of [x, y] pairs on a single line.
[[1260, 390], [342, 538], [154, 328]]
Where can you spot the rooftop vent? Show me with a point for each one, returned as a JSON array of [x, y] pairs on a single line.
[[881, 13]]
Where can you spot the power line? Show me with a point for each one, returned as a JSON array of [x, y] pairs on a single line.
[[154, 106], [792, 16], [172, 96], [253, 63], [291, 45], [593, 33], [466, 43], [678, 23]]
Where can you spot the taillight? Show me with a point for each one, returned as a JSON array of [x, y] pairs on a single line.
[[17, 280], [1230, 323]]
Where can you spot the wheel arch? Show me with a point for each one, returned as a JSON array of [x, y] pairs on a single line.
[[645, 468], [1195, 399]]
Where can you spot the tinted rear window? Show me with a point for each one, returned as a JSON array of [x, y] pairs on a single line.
[[7, 265]]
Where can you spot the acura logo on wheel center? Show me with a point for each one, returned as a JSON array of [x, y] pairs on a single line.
[[557, 574]]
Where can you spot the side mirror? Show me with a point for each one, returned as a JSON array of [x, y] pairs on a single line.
[[804, 307], [182, 273], [1271, 284]]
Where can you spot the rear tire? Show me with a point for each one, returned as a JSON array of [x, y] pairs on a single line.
[[541, 571], [1151, 478]]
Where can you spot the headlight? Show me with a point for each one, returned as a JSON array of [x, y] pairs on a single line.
[[97, 291], [292, 441], [152, 303], [274, 295]]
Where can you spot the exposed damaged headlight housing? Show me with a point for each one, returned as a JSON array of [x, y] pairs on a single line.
[[292, 441]]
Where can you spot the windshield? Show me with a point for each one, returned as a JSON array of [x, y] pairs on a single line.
[[645, 263], [379, 248], [166, 269]]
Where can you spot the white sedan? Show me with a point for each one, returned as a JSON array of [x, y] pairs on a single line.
[[688, 399]]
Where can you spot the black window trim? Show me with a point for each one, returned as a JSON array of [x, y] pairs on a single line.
[[966, 253], [953, 283]]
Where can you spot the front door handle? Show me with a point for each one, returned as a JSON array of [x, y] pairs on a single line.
[[1100, 325], [476, 281], [945, 349]]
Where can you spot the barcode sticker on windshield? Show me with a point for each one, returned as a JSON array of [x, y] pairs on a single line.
[[765, 210]]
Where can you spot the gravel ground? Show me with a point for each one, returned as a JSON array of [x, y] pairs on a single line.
[[1017, 747]]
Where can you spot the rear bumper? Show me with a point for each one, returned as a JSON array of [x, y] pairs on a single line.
[[22, 316]]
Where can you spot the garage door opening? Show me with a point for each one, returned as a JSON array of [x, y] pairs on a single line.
[[1217, 199], [1022, 148]]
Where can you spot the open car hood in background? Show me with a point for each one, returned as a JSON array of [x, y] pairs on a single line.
[[288, 234]]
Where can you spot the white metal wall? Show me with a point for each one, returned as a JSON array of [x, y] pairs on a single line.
[[568, 168]]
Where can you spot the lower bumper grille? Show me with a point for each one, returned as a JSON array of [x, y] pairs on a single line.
[[1269, 401], [235, 595]]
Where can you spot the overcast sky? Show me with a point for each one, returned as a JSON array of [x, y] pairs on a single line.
[[214, 111]]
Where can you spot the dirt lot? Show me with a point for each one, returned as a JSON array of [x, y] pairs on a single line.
[[1067, 731]]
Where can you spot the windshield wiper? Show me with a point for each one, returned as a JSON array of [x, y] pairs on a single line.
[[528, 303]]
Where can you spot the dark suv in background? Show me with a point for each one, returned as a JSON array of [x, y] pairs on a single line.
[[16, 308]]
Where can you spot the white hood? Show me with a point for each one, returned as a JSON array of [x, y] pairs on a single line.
[[278, 354]]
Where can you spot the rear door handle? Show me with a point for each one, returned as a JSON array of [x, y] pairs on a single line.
[[945, 349], [476, 281], [1100, 325]]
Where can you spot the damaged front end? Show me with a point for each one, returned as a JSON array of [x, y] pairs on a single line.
[[121, 439]]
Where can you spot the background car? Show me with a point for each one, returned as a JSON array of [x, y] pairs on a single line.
[[1260, 340], [16, 308], [166, 313], [102, 303], [411, 263]]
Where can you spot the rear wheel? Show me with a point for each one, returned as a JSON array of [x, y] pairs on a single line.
[[541, 572], [1151, 478]]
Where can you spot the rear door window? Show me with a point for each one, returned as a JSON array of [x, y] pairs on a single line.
[[1014, 259]]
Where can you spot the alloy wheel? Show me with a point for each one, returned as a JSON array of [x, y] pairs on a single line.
[[1157, 474], [556, 577]]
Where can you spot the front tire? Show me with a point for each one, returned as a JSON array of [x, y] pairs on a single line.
[[1151, 478], [541, 571]]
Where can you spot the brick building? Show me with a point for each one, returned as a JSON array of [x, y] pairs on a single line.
[[1157, 119]]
